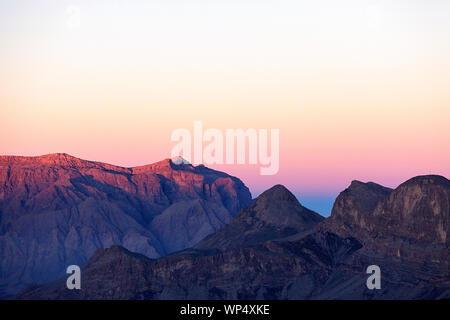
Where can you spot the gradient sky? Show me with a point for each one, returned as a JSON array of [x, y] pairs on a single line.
[[359, 89]]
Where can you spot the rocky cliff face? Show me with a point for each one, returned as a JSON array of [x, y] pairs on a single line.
[[57, 210], [410, 222], [354, 207], [318, 264], [418, 211]]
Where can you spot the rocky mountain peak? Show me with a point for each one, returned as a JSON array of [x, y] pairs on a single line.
[[48, 159], [410, 222], [427, 180], [418, 209], [277, 193], [275, 214], [357, 201], [179, 160], [68, 207]]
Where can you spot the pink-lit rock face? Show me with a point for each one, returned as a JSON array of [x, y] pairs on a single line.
[[56, 210]]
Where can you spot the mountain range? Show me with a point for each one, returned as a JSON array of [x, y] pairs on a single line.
[[57, 210], [269, 248]]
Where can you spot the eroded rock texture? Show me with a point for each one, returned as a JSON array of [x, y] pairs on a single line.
[[57, 210]]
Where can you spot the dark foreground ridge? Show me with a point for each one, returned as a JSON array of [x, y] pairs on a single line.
[[403, 231]]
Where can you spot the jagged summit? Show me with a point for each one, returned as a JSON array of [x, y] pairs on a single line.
[[411, 222], [363, 197], [278, 193], [179, 160], [417, 210], [428, 179], [59, 157], [356, 186], [275, 214], [71, 162]]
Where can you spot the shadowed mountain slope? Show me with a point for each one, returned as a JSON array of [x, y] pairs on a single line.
[[57, 210], [275, 214], [318, 265], [410, 222]]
